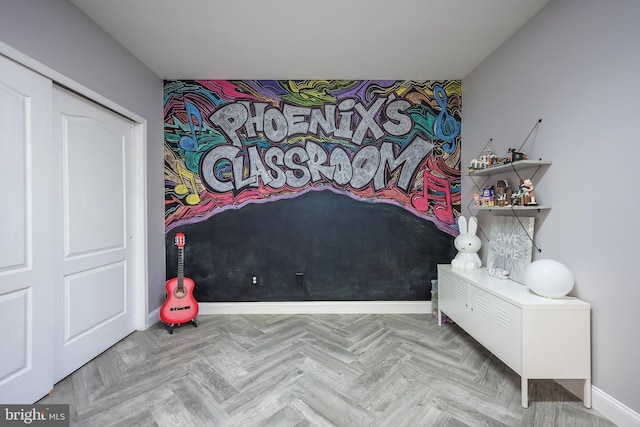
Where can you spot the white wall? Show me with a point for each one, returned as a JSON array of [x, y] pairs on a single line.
[[56, 34], [576, 65]]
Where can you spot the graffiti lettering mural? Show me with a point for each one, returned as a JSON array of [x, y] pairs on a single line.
[[230, 143]]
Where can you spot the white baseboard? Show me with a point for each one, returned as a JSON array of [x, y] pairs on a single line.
[[316, 307], [305, 307], [614, 410], [153, 317]]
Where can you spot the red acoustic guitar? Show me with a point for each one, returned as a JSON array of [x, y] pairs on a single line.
[[180, 306]]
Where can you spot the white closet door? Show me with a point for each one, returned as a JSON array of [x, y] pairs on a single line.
[[26, 349], [94, 219]]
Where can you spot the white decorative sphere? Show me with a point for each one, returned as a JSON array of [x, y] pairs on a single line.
[[548, 278]]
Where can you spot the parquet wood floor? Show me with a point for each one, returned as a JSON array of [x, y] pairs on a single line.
[[309, 370]]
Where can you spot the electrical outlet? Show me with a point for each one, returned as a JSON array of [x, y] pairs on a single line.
[[254, 280], [299, 279]]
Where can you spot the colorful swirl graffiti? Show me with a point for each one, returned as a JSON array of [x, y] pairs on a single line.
[[229, 143]]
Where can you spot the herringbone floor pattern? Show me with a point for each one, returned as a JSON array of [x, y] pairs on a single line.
[[309, 370]]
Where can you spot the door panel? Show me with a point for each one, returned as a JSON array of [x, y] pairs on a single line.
[[26, 291], [95, 290], [14, 140], [93, 302], [14, 311], [94, 179]]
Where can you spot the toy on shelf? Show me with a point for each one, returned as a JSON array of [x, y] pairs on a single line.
[[500, 195], [480, 163], [515, 155], [488, 196], [528, 193], [488, 159], [503, 193], [468, 244]]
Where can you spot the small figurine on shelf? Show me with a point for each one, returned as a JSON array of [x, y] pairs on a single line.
[[477, 164], [528, 193], [484, 161], [468, 244], [502, 193], [500, 161], [488, 196], [514, 155], [516, 196], [489, 157]]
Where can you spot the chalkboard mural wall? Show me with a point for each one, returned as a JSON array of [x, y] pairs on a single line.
[[312, 190]]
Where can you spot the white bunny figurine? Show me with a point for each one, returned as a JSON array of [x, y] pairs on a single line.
[[468, 245]]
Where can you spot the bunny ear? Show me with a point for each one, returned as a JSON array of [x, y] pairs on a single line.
[[473, 225], [462, 225]]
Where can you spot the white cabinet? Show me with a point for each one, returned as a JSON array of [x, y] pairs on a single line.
[[537, 337]]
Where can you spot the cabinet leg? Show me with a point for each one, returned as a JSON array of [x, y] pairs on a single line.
[[525, 392], [439, 317], [587, 393]]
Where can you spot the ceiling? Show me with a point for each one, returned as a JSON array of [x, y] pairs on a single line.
[[307, 39]]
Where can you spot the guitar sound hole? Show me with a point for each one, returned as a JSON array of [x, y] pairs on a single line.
[[180, 293]]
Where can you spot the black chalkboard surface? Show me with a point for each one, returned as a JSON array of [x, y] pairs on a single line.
[[347, 250]]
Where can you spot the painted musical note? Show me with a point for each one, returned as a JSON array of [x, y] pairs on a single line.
[[446, 127], [190, 143], [193, 198], [442, 211]]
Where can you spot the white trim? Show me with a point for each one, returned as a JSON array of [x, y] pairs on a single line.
[[141, 241], [153, 317], [65, 81], [306, 307], [315, 307], [615, 411]]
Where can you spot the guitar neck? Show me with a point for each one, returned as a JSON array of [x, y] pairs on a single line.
[[180, 269]]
